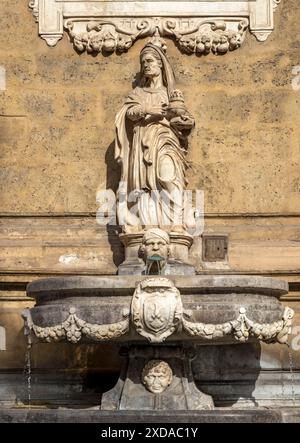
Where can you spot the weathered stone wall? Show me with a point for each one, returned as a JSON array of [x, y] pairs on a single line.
[[56, 140], [58, 111]]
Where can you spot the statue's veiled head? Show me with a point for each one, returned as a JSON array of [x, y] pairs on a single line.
[[154, 63], [151, 63]]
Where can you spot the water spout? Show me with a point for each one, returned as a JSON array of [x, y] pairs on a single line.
[[155, 265]]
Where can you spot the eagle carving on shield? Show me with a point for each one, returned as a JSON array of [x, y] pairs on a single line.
[[156, 308]]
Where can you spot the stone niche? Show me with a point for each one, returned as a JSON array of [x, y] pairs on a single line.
[[200, 26]]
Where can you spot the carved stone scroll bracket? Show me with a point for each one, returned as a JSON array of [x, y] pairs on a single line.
[[34, 6], [49, 16], [197, 27], [73, 329], [262, 18], [276, 3], [243, 328], [51, 40], [195, 36], [214, 36]]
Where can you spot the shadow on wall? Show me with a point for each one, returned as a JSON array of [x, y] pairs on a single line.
[[63, 374], [228, 373], [113, 176], [76, 375]]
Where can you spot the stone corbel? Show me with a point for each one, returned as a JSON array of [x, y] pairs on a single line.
[[193, 36], [200, 27], [49, 15], [262, 18]]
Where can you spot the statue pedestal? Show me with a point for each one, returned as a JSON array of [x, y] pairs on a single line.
[[130, 393], [178, 264]]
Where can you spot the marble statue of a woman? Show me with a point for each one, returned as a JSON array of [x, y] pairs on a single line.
[[151, 141]]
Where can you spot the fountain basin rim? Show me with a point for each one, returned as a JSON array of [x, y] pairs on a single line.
[[125, 285]]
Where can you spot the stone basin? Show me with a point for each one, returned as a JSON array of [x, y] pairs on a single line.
[[172, 313], [222, 309]]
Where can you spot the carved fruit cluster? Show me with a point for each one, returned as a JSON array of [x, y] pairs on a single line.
[[217, 39], [108, 36]]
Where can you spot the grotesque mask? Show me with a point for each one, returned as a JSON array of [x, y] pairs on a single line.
[[155, 250], [157, 376]]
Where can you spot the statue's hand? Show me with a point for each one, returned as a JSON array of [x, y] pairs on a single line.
[[158, 112]]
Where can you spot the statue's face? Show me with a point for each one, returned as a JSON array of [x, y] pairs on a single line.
[[156, 380], [156, 246], [151, 66]]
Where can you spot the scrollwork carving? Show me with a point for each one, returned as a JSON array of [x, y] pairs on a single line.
[[276, 3], [206, 37], [242, 328], [198, 37], [107, 36], [73, 329], [98, 26], [34, 5]]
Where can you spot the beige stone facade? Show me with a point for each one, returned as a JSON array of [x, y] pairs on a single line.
[[56, 140]]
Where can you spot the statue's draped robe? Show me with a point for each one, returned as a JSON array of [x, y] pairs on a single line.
[[142, 144]]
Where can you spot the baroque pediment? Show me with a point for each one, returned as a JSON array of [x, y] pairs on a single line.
[[200, 26]]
